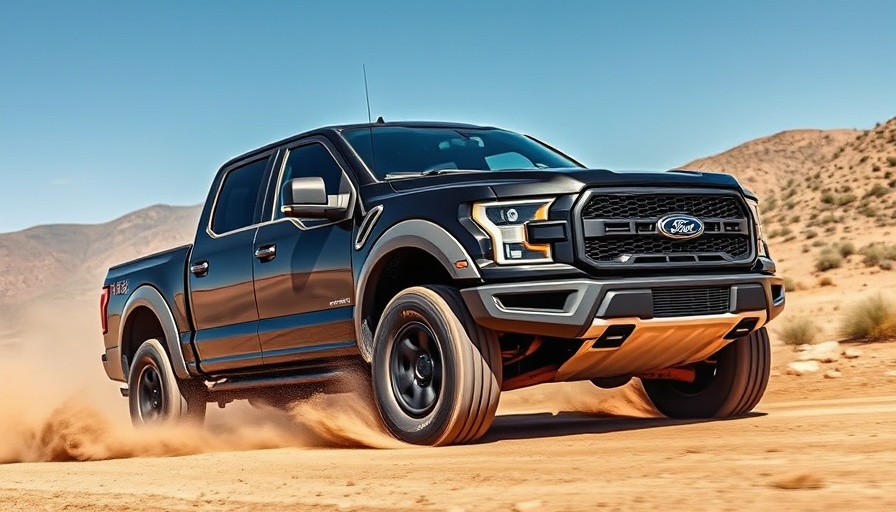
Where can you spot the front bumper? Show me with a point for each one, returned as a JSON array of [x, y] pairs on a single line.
[[616, 319]]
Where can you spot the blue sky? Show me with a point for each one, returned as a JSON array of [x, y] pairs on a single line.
[[106, 107]]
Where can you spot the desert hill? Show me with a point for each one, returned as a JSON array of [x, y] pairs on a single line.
[[828, 201], [55, 262]]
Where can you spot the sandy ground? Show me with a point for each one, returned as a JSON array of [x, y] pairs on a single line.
[[813, 444]]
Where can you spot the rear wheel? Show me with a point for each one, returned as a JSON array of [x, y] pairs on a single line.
[[436, 373], [156, 395], [730, 383]]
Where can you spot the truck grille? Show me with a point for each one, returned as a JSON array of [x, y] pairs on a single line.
[[672, 302], [643, 206], [620, 228], [613, 247]]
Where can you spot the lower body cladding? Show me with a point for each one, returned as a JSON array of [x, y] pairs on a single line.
[[633, 326]]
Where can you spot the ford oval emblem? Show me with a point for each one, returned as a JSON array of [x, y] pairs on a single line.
[[680, 227]]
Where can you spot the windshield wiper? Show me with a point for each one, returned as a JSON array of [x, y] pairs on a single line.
[[428, 172]]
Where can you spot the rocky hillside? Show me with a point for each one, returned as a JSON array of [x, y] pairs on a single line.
[[829, 209]]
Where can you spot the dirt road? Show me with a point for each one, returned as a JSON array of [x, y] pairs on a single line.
[[837, 454]]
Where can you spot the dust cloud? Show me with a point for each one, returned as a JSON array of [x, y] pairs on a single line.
[[75, 429], [580, 397]]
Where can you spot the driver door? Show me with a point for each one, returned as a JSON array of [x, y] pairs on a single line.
[[303, 276]]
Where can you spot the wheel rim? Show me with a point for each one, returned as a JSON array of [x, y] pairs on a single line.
[[416, 367], [151, 398]]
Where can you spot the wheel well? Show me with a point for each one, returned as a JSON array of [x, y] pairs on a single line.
[[141, 325], [397, 270]]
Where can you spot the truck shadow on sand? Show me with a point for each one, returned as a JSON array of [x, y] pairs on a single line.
[[543, 425]]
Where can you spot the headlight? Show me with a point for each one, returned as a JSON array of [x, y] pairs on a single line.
[[505, 223], [760, 235]]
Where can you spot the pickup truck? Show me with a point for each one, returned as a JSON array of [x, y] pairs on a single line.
[[451, 262]]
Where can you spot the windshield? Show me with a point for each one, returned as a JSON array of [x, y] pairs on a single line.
[[400, 150]]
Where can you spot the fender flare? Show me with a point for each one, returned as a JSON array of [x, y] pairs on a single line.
[[148, 297], [420, 234]]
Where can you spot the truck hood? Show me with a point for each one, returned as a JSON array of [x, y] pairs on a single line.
[[566, 181]]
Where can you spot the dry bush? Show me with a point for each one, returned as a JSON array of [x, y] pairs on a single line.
[[873, 319], [877, 190], [874, 255], [798, 331], [826, 281], [846, 249], [790, 285], [828, 259]]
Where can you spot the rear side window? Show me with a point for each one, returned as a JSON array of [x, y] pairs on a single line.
[[237, 200]]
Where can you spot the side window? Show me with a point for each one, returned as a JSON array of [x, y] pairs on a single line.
[[313, 160], [237, 199]]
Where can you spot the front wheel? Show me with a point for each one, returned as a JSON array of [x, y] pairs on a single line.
[[436, 373], [729, 383], [156, 395]]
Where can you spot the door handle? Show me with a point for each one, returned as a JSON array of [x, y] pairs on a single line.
[[199, 269], [267, 252]]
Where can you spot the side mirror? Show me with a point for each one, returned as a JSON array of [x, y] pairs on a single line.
[[307, 198]]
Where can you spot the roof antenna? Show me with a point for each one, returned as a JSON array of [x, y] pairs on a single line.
[[369, 121], [367, 93]]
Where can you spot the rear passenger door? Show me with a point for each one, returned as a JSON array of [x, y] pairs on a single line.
[[303, 276], [222, 294]]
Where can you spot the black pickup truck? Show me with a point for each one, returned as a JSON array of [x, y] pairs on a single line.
[[451, 262]]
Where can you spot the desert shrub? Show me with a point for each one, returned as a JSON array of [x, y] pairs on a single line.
[[769, 204], [811, 234], [790, 204], [888, 175], [845, 199], [828, 219], [826, 281], [891, 161], [874, 255], [877, 190], [828, 198], [886, 265], [828, 258], [846, 249], [818, 243], [891, 183], [873, 318], [775, 233], [795, 219], [798, 331], [790, 285], [868, 211], [875, 168]]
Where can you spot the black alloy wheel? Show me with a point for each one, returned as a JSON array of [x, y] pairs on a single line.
[[416, 368]]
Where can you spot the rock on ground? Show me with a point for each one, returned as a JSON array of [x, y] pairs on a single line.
[[852, 353], [825, 352], [802, 367]]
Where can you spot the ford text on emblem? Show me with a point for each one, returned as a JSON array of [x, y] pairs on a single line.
[[681, 227]]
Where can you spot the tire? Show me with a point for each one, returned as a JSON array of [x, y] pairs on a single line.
[[156, 395], [731, 386], [436, 373]]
